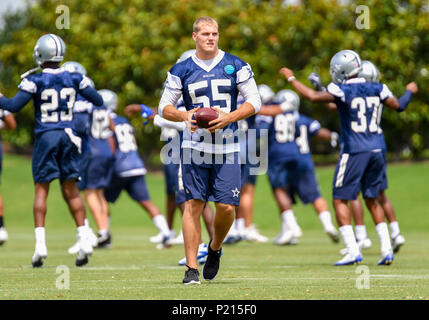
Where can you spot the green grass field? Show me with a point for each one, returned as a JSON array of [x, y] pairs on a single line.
[[135, 269]]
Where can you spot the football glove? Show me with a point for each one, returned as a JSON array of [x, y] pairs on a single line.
[[146, 112], [316, 82]]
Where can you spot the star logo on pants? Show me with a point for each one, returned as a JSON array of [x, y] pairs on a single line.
[[235, 192]]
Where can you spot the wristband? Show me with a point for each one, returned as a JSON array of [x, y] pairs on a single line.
[[291, 78]]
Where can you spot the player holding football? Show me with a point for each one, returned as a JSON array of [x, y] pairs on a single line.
[[361, 164], [210, 78], [56, 147]]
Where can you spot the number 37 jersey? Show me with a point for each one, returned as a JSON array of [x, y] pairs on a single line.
[[360, 106], [54, 94], [213, 85]]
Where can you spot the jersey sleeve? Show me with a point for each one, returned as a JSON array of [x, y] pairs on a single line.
[[385, 93], [28, 85], [336, 91], [244, 72]]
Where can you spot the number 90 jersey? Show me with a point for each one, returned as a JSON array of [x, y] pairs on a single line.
[[54, 93], [206, 86], [360, 106]]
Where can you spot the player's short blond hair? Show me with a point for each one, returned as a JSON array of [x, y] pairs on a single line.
[[203, 20]]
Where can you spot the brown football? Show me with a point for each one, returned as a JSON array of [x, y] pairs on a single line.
[[204, 116]]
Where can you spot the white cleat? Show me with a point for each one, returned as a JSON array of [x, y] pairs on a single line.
[[285, 238], [364, 244], [333, 234], [386, 259], [157, 239], [201, 255], [40, 253], [3, 235], [397, 242], [297, 233], [74, 248], [348, 259], [252, 234], [177, 240], [92, 239]]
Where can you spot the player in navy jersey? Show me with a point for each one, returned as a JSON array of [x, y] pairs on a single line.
[[56, 147], [361, 164], [7, 122], [129, 170], [97, 161], [210, 158], [283, 156], [305, 183], [371, 74], [94, 126]]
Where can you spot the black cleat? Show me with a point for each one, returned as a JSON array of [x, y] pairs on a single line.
[[81, 259], [192, 276], [104, 241], [38, 263], [211, 267]]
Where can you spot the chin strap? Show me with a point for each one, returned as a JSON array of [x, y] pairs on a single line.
[[30, 72]]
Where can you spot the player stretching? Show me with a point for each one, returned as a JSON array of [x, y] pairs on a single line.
[[55, 154], [371, 74], [7, 122], [210, 78], [129, 170], [361, 164]]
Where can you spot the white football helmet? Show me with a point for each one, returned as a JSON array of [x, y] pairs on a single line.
[[185, 55], [288, 99], [344, 65], [266, 93], [369, 72], [49, 47], [73, 66], [110, 99]]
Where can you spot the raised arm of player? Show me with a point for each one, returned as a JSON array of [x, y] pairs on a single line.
[[308, 93], [16, 103], [403, 101]]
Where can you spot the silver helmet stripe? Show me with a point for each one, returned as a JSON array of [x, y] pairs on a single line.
[[57, 43]]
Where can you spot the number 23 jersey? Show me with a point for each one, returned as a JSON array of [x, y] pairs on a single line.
[[360, 106], [54, 94]]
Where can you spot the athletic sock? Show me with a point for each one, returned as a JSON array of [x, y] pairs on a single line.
[[1, 222], [383, 234], [394, 229], [361, 232], [325, 218], [40, 235], [289, 221], [102, 232], [239, 226], [161, 224], [349, 239]]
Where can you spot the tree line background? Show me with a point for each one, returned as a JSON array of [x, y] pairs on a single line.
[[129, 45]]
